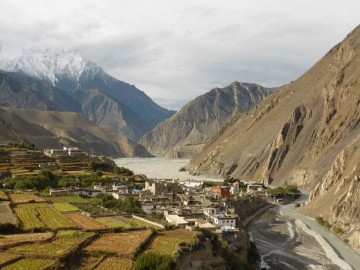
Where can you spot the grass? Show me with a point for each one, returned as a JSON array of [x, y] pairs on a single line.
[[171, 242], [30, 264], [68, 199], [113, 263], [65, 242], [65, 207], [41, 215]]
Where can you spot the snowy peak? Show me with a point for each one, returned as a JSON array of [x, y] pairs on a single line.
[[48, 64]]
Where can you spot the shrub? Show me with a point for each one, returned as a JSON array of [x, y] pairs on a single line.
[[320, 220], [337, 229]]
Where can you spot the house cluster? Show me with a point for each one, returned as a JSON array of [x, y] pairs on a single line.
[[186, 204], [65, 151]]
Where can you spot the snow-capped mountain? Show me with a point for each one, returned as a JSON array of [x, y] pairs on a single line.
[[48, 64], [105, 100]]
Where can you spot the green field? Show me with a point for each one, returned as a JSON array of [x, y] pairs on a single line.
[[171, 242], [124, 222], [65, 207], [30, 264], [41, 215], [67, 199], [65, 242]]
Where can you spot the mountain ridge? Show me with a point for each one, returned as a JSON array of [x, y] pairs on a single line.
[[184, 133]]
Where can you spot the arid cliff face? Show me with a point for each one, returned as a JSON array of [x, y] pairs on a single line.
[[307, 133]]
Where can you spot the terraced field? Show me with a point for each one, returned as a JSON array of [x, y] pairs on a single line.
[[170, 242], [122, 244], [10, 239], [85, 222], [65, 207], [25, 198], [67, 199], [3, 196], [30, 264], [7, 258], [124, 222], [6, 214], [41, 215], [63, 244]]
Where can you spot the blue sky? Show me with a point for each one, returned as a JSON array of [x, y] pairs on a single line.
[[177, 50]]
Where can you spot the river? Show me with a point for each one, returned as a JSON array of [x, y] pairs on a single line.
[[289, 240], [161, 168]]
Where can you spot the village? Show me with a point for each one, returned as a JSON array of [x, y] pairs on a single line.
[[185, 204], [70, 196]]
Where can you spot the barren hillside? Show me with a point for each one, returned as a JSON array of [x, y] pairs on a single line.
[[306, 133]]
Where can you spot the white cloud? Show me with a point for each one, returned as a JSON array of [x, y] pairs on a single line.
[[176, 50]]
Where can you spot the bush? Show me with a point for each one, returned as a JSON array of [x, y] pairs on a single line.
[[153, 261], [337, 229], [297, 205], [320, 220]]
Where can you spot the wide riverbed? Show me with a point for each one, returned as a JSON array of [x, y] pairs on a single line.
[[160, 168]]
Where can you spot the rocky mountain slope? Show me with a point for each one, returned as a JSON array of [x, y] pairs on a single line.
[[16, 94], [70, 72], [307, 133], [187, 130], [53, 129]]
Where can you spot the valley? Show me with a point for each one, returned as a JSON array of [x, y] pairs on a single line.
[[190, 136]]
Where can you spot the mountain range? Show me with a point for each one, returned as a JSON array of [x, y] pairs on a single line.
[[306, 133], [185, 133], [65, 80]]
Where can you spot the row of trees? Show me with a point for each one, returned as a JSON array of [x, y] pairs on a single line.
[[46, 179]]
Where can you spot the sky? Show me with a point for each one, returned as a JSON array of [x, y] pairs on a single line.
[[177, 50]]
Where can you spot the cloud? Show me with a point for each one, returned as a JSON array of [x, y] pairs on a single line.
[[177, 50]]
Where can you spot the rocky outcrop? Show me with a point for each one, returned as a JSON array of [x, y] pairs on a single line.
[[184, 133], [337, 196]]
